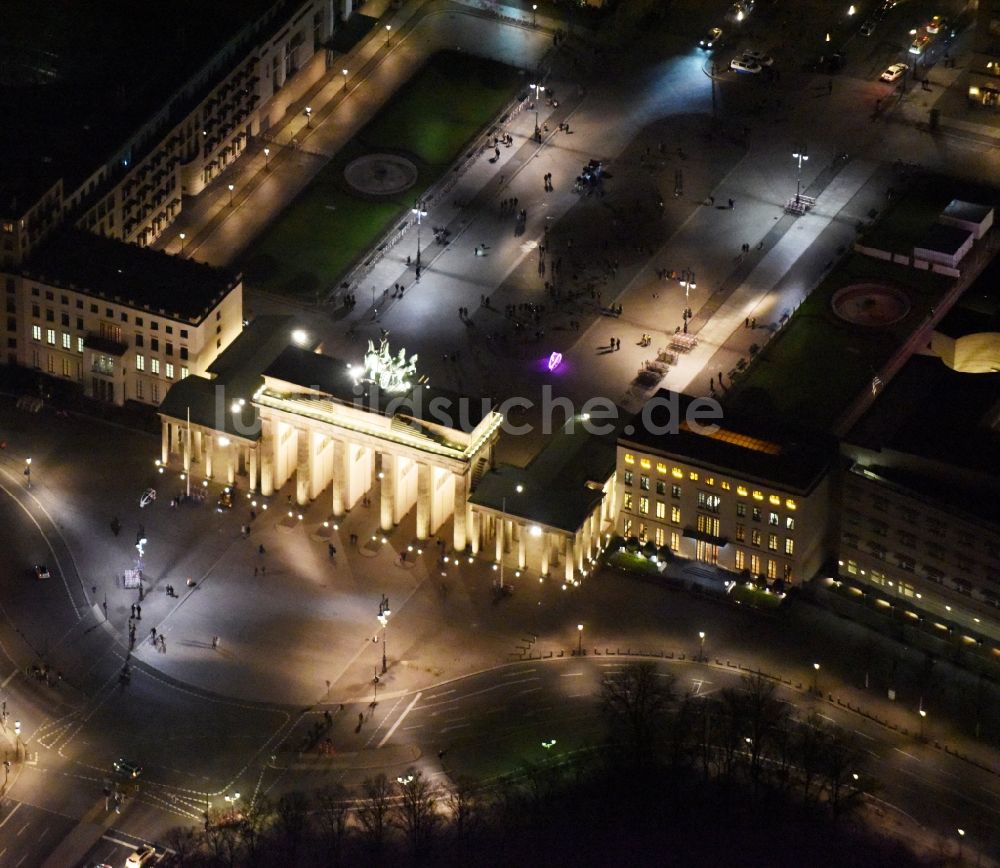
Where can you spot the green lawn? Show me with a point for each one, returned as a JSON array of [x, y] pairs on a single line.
[[431, 120], [755, 597], [818, 364], [633, 563]]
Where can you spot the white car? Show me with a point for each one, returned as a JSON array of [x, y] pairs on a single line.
[[894, 72], [744, 64], [142, 856], [759, 57]]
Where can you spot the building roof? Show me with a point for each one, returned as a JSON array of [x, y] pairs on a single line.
[[978, 310], [301, 367], [236, 374], [138, 277], [772, 452], [949, 420], [560, 487], [945, 239], [969, 212], [80, 78]]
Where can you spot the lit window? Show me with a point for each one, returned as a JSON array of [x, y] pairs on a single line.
[[677, 473], [645, 464], [755, 537], [774, 500], [644, 483], [741, 490], [709, 480], [154, 365], [772, 542], [790, 503], [67, 341], [675, 541], [741, 533], [627, 527], [659, 536], [741, 559], [627, 500], [773, 519], [629, 458], [789, 523], [140, 363], [725, 485], [661, 510], [675, 491], [170, 371], [741, 509], [675, 514], [757, 495], [627, 477], [644, 505], [79, 345], [772, 569], [50, 337], [852, 567], [661, 468], [184, 372], [755, 564], [36, 332], [693, 476], [789, 546]]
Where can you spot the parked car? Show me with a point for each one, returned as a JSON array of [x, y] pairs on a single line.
[[758, 56], [225, 500], [933, 27], [40, 571], [127, 768], [711, 39], [141, 856], [829, 63], [894, 72], [744, 64], [868, 28]]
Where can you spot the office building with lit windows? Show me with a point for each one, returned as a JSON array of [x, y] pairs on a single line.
[[750, 499], [121, 321], [919, 521]]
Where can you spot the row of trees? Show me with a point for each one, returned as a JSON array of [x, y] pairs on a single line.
[[671, 766]]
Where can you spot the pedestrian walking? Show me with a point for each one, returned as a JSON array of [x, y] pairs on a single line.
[[260, 549], [152, 635], [732, 204], [138, 612], [746, 323], [753, 322], [711, 200], [215, 643], [133, 610], [163, 644]]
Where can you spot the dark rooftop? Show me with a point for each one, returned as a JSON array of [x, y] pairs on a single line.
[[774, 452], [978, 310], [944, 239], [79, 78], [930, 411], [237, 375], [127, 274], [556, 484], [301, 367], [970, 212]]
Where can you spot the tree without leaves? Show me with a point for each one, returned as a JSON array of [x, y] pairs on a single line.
[[291, 822], [763, 715], [374, 810], [332, 812], [636, 702], [464, 806], [416, 815], [185, 845]]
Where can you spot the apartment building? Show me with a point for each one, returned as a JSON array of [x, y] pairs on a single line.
[[118, 159], [123, 322], [749, 498]]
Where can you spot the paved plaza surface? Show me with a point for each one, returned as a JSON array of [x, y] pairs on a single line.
[[296, 629]]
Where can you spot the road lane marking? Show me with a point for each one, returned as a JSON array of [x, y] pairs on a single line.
[[519, 672], [415, 726], [863, 735], [456, 726], [11, 814], [826, 718], [904, 753], [439, 695], [25, 826], [7, 680], [399, 720], [479, 692], [569, 674], [578, 695], [19, 861], [529, 690]]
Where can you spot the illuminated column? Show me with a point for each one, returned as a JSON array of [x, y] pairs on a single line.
[[578, 547], [266, 457], [252, 466], [545, 553], [165, 441], [461, 512], [186, 452], [555, 542], [388, 490], [569, 559], [317, 481], [303, 466], [423, 500], [231, 463], [476, 520], [499, 532], [207, 443], [338, 481], [521, 544], [198, 444]]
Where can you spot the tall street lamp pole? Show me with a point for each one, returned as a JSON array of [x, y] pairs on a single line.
[[388, 30], [539, 89], [383, 619], [701, 648], [344, 73], [579, 644], [27, 472], [418, 209], [534, 14], [309, 116], [815, 678], [800, 156], [231, 188], [183, 237], [267, 155]]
